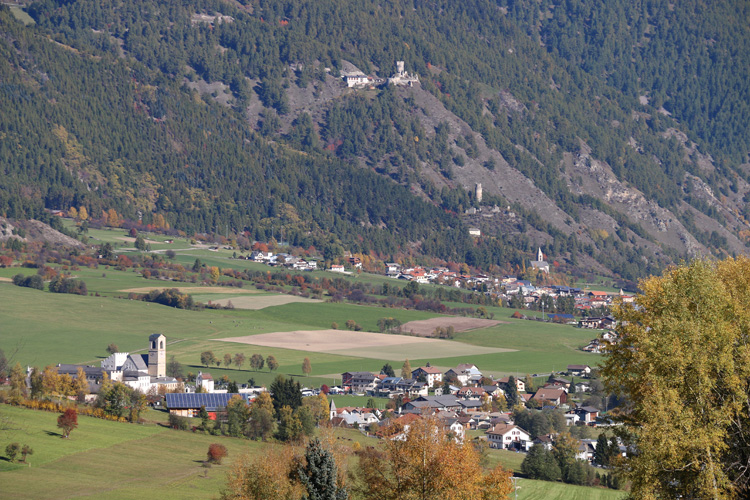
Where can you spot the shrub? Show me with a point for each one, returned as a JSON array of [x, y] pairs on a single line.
[[216, 452]]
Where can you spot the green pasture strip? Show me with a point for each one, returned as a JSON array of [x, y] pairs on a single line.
[[529, 488]]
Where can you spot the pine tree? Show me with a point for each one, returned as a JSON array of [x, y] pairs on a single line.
[[319, 476]]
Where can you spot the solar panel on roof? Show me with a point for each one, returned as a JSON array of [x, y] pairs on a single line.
[[211, 401]]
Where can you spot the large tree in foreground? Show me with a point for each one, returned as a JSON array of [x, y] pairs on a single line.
[[319, 475], [427, 464], [683, 366]]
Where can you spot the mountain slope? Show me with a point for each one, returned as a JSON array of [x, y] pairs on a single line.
[[589, 127]]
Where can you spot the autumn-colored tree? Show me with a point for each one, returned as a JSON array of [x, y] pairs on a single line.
[[306, 367], [257, 361], [73, 212], [80, 384], [214, 273], [239, 360], [262, 422], [50, 381], [17, 383], [112, 348], [216, 452], [207, 358], [682, 364], [83, 214], [227, 359], [68, 421], [319, 408], [263, 476], [427, 464], [272, 364], [406, 369]]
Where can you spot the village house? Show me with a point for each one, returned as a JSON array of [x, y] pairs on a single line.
[[551, 396], [431, 375], [508, 436], [520, 384], [579, 370]]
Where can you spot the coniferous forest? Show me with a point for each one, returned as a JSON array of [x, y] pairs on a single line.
[[611, 135]]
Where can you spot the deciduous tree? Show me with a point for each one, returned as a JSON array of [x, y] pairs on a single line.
[[272, 474], [239, 360], [427, 464], [216, 453], [306, 367], [68, 421], [272, 364], [207, 358], [682, 364]]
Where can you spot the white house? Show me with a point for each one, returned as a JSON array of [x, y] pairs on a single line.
[[507, 436]]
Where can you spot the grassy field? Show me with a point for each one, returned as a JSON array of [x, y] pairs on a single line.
[[529, 489], [109, 460], [41, 328]]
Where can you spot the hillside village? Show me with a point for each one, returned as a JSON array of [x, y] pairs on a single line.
[[511, 290]]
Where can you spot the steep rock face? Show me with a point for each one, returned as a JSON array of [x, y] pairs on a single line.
[[34, 230]]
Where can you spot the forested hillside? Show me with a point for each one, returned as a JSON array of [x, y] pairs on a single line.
[[611, 135]]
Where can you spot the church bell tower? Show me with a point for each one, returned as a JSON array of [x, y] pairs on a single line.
[[157, 355]]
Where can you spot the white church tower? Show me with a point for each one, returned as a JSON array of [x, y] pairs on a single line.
[[539, 255], [157, 355]]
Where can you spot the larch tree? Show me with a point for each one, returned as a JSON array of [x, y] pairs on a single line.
[[406, 369], [682, 364]]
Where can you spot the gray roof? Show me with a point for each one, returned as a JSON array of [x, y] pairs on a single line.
[[90, 371], [154, 336], [140, 361], [195, 400]]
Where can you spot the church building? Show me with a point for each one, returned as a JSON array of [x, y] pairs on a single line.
[[142, 371]]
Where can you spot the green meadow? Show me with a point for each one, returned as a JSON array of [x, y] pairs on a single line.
[[40, 328]]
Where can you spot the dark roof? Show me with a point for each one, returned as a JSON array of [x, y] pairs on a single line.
[[90, 371], [154, 336], [195, 400]]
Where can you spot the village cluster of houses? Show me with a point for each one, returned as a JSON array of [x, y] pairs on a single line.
[[504, 288]]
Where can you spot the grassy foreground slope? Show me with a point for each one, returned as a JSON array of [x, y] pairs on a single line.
[[107, 459]]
